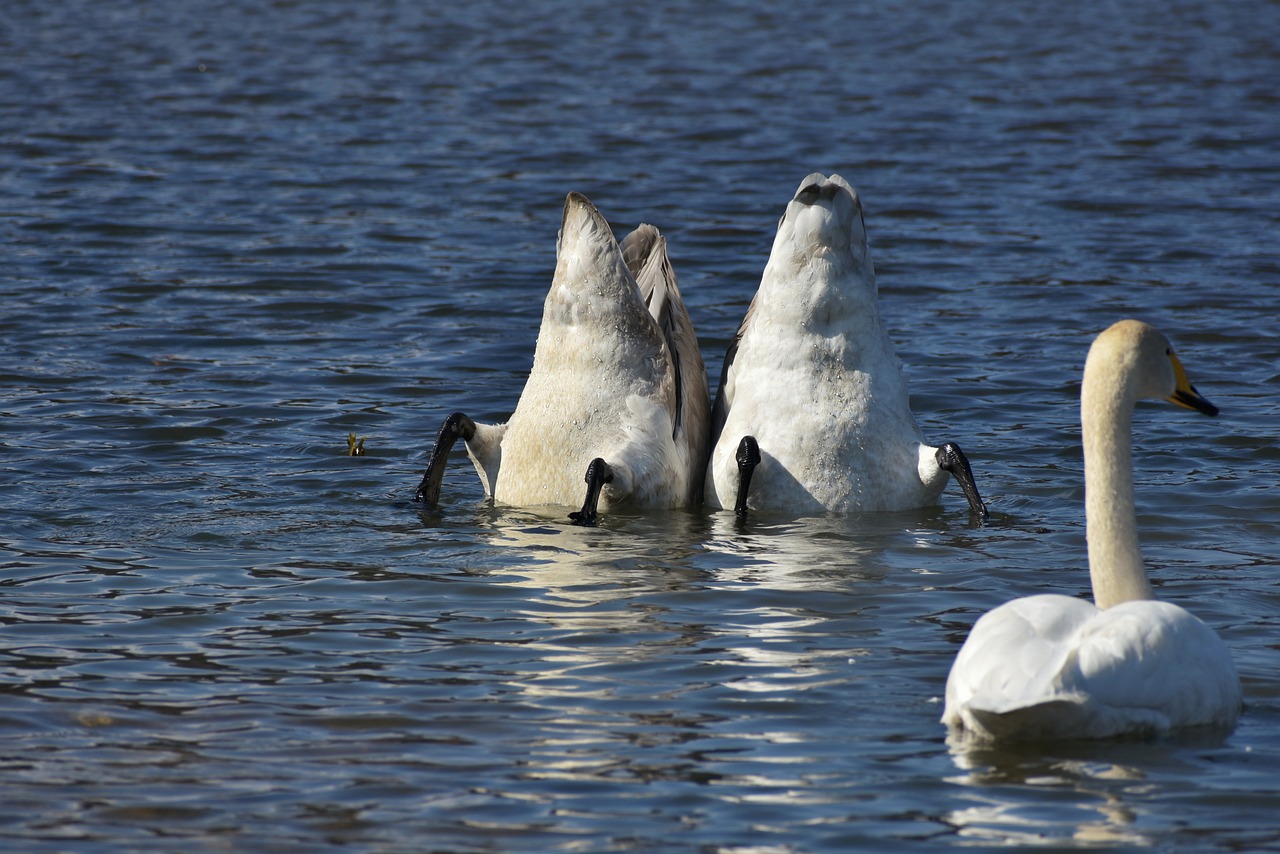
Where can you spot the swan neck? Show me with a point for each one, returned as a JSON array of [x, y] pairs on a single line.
[[1115, 559]]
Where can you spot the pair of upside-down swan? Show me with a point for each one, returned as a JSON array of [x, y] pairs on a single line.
[[811, 416], [1057, 667]]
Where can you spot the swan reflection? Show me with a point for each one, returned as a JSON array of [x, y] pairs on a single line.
[[1089, 793], [812, 553], [629, 644]]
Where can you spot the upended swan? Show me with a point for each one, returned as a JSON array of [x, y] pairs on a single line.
[[812, 413], [1055, 667], [617, 390]]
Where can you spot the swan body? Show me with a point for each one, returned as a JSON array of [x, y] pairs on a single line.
[[617, 389], [1053, 666], [813, 379]]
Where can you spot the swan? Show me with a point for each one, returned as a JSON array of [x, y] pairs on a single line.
[[812, 413], [1053, 666], [617, 390]]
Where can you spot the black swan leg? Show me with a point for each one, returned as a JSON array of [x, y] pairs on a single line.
[[598, 474], [748, 458], [951, 459], [454, 426]]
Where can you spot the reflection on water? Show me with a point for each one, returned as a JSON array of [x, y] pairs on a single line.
[[1087, 804], [1086, 792], [808, 553], [237, 235], [598, 587], [650, 666]]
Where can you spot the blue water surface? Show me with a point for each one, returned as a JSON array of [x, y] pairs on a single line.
[[236, 233]]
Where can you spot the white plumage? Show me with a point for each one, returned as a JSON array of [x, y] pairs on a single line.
[[617, 390], [813, 382], [1052, 666]]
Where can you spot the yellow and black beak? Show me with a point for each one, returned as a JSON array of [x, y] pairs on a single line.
[[1185, 393]]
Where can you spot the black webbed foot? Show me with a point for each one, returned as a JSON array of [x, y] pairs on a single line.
[[454, 426], [598, 474], [748, 457], [951, 459]]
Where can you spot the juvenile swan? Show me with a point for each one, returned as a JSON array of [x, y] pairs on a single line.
[[812, 413], [617, 390], [1051, 666]]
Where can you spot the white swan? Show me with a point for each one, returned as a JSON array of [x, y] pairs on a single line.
[[617, 390], [812, 413], [1052, 666]]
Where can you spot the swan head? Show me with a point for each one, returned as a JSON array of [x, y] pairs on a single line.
[[1128, 361], [822, 221], [1136, 361]]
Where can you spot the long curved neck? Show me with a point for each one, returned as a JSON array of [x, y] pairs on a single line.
[[1106, 418]]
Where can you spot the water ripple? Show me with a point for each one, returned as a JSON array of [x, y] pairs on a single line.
[[237, 236]]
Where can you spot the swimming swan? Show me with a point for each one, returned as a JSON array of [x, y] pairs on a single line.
[[812, 413], [617, 390], [1053, 666]]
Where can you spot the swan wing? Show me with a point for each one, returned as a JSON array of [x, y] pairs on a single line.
[[1147, 664], [645, 253], [1011, 657], [643, 250]]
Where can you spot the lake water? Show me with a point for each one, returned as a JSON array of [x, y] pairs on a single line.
[[235, 233]]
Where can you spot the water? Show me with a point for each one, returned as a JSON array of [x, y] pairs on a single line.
[[235, 235]]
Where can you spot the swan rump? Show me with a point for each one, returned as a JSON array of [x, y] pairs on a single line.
[[1056, 667], [617, 388], [812, 414]]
